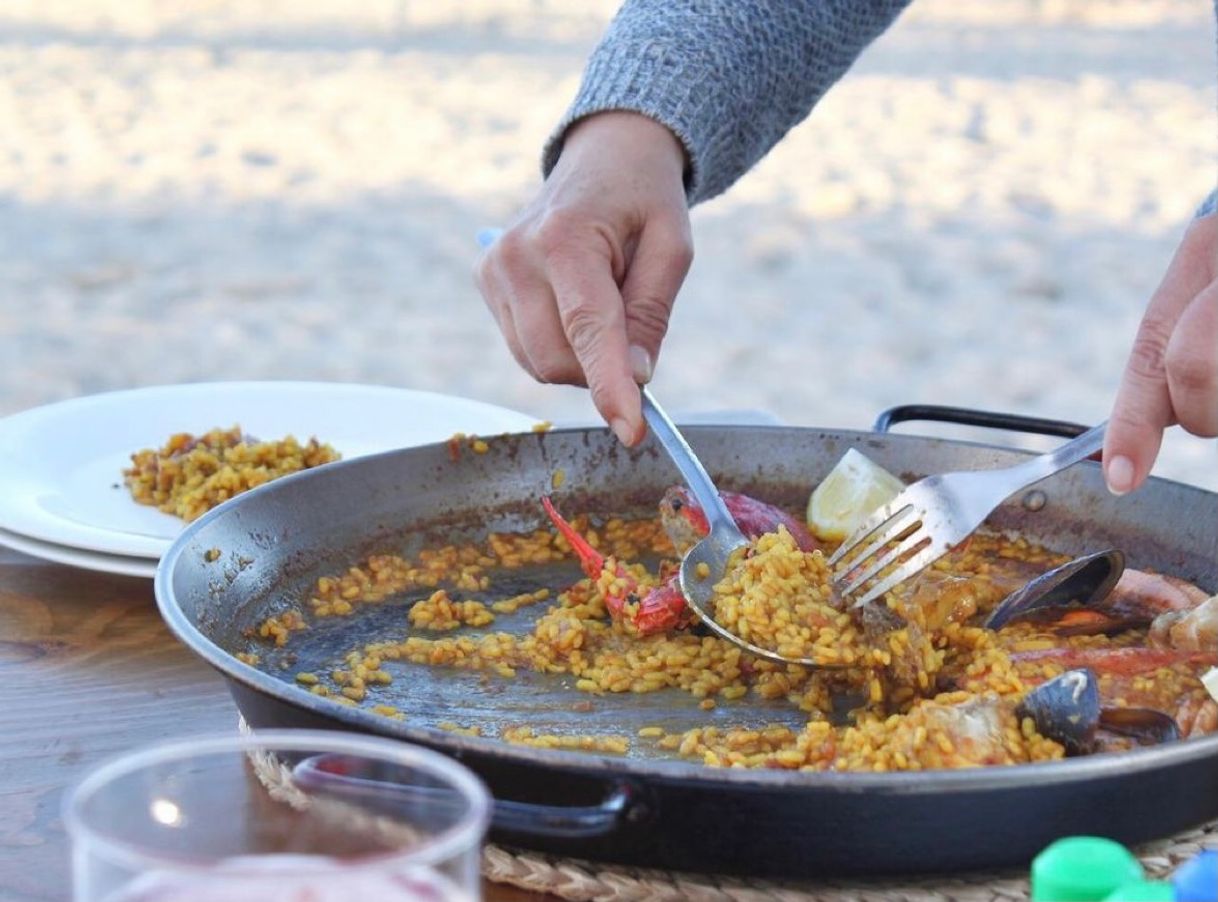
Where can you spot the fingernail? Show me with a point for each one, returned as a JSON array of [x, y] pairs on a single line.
[[1120, 475], [623, 431], [640, 364]]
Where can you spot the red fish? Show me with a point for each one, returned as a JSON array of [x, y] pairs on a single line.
[[685, 522]]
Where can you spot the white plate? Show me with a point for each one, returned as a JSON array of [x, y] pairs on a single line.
[[61, 465], [74, 557]]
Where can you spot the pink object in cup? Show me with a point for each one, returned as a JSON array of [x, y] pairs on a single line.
[[292, 878]]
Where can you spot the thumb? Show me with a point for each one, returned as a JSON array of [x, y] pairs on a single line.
[[659, 266], [1143, 406], [1140, 414], [590, 311]]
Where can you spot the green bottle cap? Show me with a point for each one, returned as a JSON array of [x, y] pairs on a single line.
[[1143, 891], [1082, 869]]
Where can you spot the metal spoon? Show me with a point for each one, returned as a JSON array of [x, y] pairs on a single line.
[[723, 538]]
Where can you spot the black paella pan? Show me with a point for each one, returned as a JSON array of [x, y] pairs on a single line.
[[639, 808]]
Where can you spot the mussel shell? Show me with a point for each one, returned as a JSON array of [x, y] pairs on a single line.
[[1147, 726], [1066, 709], [1085, 581]]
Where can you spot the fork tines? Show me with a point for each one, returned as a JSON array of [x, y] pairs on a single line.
[[896, 534]]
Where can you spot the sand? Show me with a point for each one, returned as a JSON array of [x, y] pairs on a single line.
[[975, 216]]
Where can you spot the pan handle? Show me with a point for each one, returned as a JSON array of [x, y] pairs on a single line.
[[965, 416], [334, 776], [568, 822]]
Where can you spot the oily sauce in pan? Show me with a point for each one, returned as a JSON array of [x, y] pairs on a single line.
[[510, 639]]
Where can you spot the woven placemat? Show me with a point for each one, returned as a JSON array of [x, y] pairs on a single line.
[[585, 881], [588, 881]]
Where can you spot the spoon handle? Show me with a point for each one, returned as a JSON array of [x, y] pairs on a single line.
[[691, 468]]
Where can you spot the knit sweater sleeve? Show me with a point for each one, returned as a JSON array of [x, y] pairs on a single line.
[[728, 77]]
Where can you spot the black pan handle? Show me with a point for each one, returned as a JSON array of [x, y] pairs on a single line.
[[338, 776], [965, 416], [563, 822]]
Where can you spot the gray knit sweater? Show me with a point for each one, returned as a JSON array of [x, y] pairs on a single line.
[[728, 77]]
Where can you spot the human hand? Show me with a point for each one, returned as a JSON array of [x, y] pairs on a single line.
[[1172, 373], [583, 282]]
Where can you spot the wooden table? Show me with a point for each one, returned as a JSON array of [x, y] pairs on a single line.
[[89, 670]]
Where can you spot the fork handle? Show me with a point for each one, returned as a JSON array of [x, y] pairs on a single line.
[[1054, 461]]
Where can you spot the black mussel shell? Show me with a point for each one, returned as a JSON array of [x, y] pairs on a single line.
[[1084, 581], [1146, 726], [1066, 709]]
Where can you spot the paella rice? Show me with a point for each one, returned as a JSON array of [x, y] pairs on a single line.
[[440, 612], [190, 474], [925, 684]]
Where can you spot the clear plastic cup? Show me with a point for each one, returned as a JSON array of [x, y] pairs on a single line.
[[278, 816]]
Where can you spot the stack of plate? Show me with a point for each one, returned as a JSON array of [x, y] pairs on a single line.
[[62, 495]]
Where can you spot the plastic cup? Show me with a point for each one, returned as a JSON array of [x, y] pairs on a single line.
[[277, 816]]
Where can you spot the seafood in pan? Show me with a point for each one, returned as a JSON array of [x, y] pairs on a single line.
[[1004, 652], [1107, 656]]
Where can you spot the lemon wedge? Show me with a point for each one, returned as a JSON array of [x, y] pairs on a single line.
[[854, 488]]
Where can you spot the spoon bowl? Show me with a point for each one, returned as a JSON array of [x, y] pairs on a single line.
[[706, 563]]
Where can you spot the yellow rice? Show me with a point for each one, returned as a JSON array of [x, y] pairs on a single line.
[[903, 719], [190, 475]]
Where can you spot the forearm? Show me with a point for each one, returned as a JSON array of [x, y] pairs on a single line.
[[728, 77]]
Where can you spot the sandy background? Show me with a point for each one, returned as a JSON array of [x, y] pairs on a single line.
[[288, 189]]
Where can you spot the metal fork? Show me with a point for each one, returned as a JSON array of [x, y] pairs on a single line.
[[933, 515]]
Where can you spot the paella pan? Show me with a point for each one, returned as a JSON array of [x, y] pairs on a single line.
[[259, 559]]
